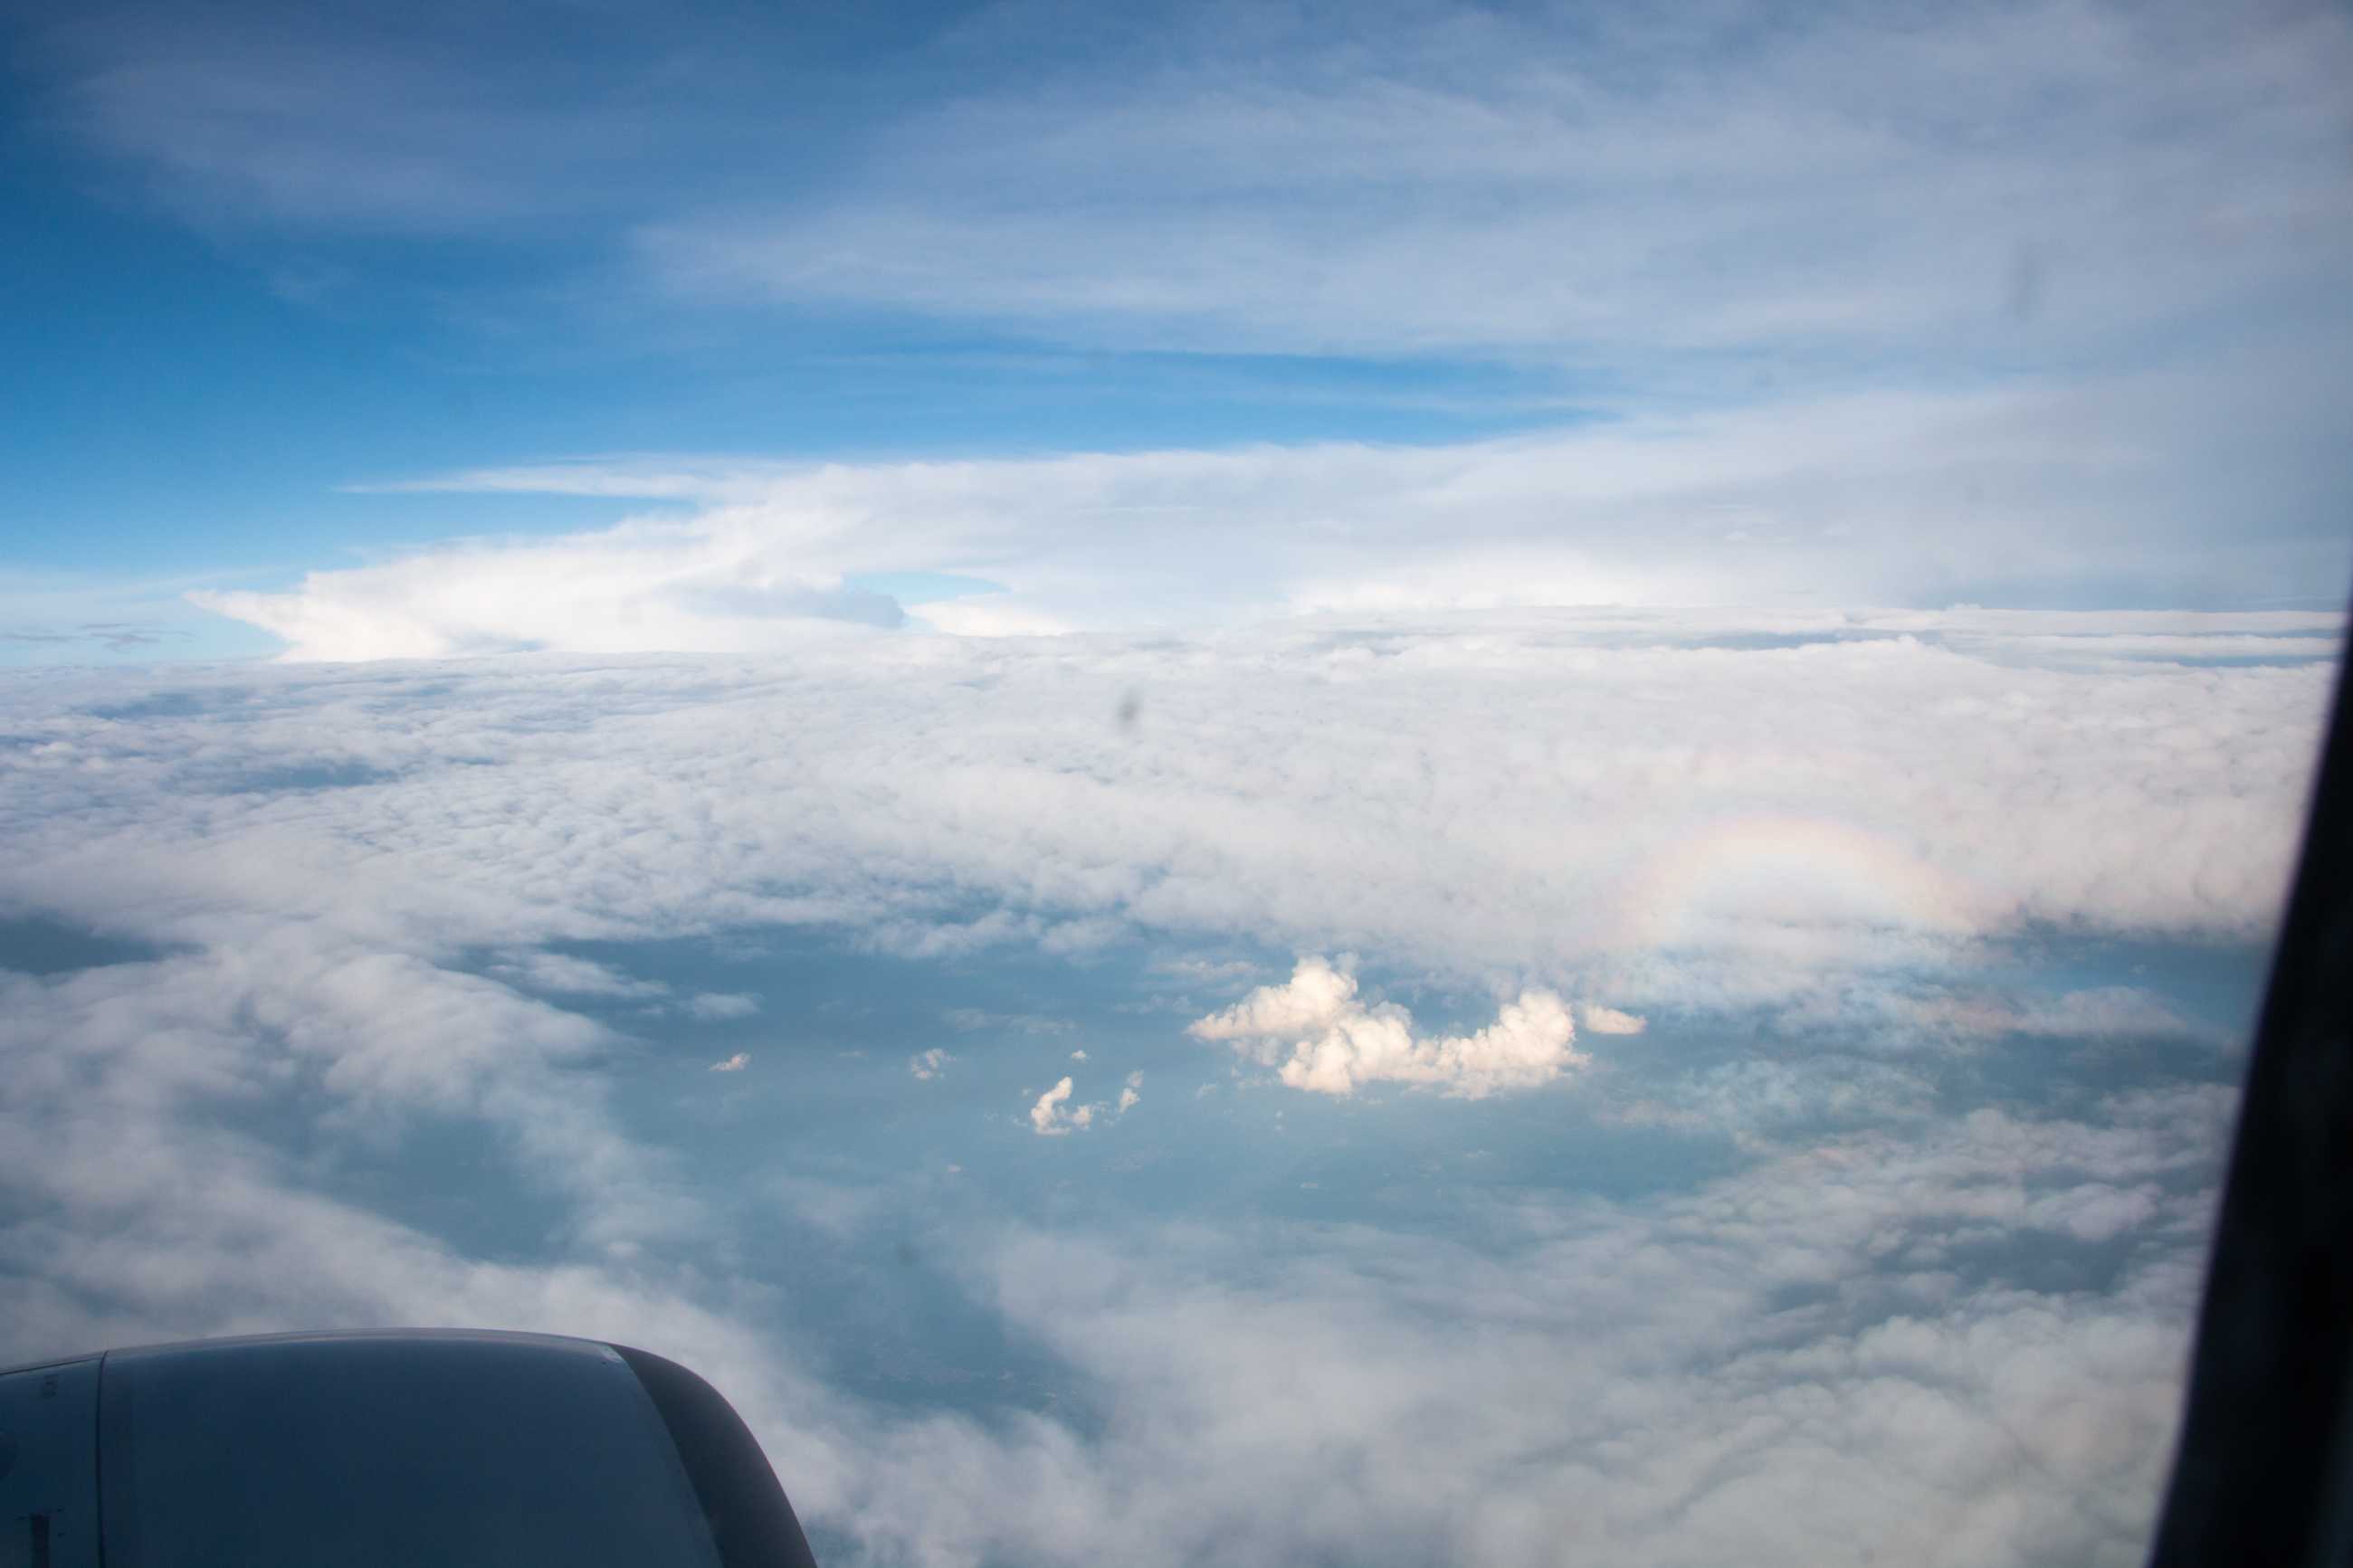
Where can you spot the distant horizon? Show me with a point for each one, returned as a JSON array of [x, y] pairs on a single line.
[[2032, 304]]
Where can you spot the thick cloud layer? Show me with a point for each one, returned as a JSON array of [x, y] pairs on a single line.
[[343, 904], [1603, 804]]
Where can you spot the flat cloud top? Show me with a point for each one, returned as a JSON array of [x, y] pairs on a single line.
[[2093, 493], [1624, 806]]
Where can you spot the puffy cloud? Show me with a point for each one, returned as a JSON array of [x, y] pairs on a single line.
[[1600, 1020], [1131, 1092], [735, 1063], [1318, 1035], [1048, 1117], [1078, 1055], [930, 1064], [1054, 1114]]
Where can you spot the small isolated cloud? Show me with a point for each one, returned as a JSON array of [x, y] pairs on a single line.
[[1600, 1020], [1055, 1115], [1078, 1055], [1047, 1116], [712, 1006], [929, 1065], [1128, 1096], [1320, 1035], [735, 1063]]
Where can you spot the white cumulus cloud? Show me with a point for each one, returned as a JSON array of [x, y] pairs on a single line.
[[1319, 1035], [1048, 1117], [1600, 1020], [735, 1063]]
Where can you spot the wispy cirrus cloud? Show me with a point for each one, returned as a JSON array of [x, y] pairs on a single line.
[[1619, 185], [1992, 183], [2007, 304]]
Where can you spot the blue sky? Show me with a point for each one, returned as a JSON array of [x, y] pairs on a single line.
[[207, 362], [1251, 783], [269, 260]]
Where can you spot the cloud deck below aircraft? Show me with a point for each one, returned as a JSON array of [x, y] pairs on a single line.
[[353, 901]]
